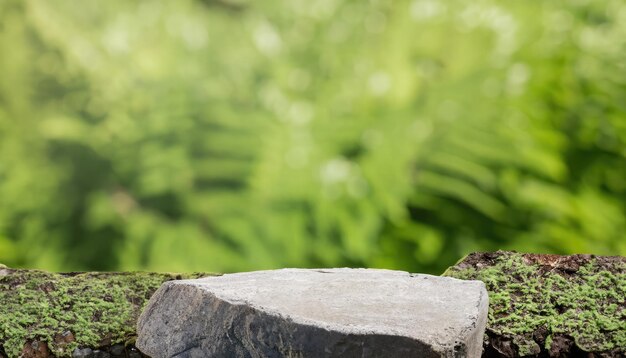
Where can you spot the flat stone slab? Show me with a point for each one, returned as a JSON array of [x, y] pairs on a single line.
[[315, 313]]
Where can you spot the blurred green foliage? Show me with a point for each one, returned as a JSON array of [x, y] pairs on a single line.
[[218, 135]]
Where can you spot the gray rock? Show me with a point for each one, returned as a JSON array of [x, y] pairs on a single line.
[[117, 350], [100, 354], [82, 353], [134, 353], [315, 313]]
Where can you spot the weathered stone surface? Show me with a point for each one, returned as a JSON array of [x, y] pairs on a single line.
[[315, 313], [82, 353]]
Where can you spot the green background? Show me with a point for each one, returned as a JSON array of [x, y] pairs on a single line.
[[239, 135]]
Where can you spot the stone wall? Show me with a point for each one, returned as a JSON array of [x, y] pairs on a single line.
[[540, 306]]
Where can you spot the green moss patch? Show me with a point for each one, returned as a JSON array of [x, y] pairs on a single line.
[[71, 310], [549, 304]]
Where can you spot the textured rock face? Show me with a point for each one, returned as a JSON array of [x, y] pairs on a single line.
[[315, 313]]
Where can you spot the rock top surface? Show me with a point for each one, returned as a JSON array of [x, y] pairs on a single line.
[[315, 313]]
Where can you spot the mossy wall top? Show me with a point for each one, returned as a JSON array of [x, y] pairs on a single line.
[[541, 302], [95, 309]]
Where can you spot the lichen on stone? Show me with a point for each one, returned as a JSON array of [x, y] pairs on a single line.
[[73, 310], [537, 299]]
